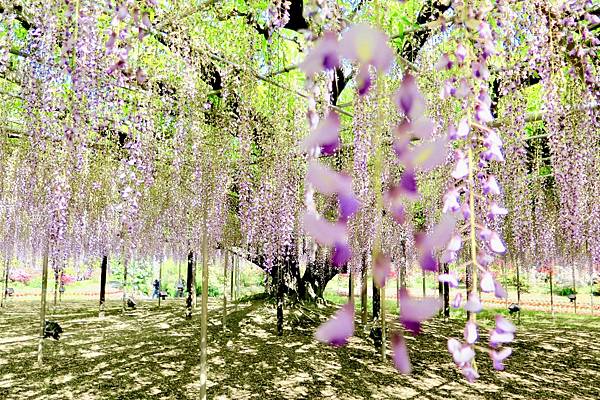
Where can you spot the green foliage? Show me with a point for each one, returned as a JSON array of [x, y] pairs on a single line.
[[524, 285], [565, 291], [213, 290]]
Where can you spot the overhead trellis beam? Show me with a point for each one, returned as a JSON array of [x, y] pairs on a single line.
[[264, 78]]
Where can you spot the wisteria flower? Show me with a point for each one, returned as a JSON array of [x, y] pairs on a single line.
[[473, 304], [325, 136], [368, 47], [401, 358], [480, 71], [487, 283], [327, 181], [444, 63], [428, 155], [323, 231], [337, 330], [451, 203], [470, 374], [461, 169], [413, 311], [451, 279], [323, 56], [496, 210], [499, 290], [461, 353], [409, 100], [341, 254], [491, 186], [470, 333], [461, 53], [496, 244], [381, 270], [457, 300], [499, 356]]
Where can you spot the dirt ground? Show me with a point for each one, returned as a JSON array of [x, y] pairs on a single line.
[[153, 353]]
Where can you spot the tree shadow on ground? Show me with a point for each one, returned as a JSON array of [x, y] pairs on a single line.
[[155, 353]]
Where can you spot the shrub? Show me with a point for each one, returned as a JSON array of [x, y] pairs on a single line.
[[67, 279], [213, 291], [19, 275], [512, 282], [566, 291]]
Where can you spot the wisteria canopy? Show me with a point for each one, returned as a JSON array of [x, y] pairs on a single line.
[[310, 137]]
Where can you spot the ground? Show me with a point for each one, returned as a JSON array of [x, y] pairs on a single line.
[[154, 353]]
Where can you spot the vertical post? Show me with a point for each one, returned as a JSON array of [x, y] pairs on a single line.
[[591, 285], [204, 318], [518, 289], [350, 286], [468, 280], [189, 281], [5, 280], [440, 288], [56, 275], [363, 289], [231, 293], [238, 279], [376, 300], [179, 271], [504, 283], [124, 261], [279, 288], [551, 292], [103, 269], [43, 305], [160, 261], [446, 294], [574, 285], [383, 344], [398, 286], [403, 269], [225, 288], [194, 284]]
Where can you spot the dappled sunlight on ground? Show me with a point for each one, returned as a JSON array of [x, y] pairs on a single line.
[[155, 353]]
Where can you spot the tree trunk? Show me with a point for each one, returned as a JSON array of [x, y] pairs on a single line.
[[204, 319], [103, 269], [189, 284], [43, 306]]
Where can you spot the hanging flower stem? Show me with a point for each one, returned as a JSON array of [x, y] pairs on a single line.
[[472, 316]]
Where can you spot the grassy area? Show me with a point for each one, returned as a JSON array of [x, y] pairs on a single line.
[[153, 353]]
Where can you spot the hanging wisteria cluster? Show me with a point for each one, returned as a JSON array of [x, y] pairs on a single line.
[[133, 131]]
